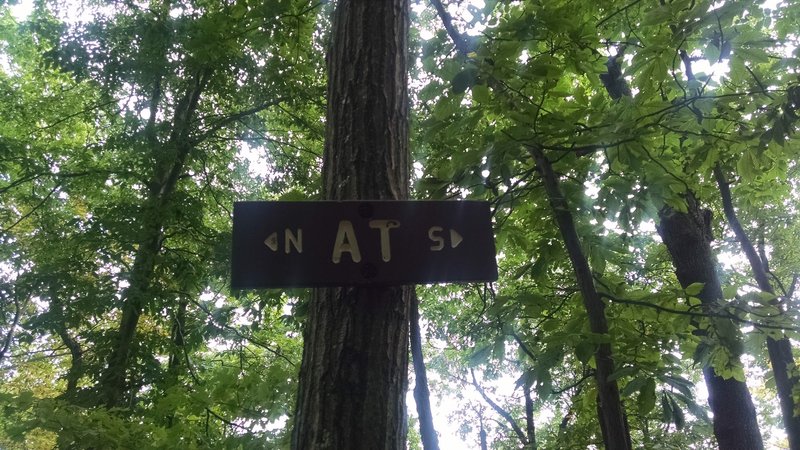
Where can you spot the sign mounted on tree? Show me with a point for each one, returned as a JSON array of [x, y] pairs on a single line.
[[341, 243]]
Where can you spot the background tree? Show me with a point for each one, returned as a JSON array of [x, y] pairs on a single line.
[[538, 80], [125, 147]]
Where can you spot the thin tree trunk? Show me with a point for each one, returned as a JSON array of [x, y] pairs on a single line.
[[422, 396], [353, 378], [530, 426], [523, 439], [780, 350], [611, 416], [178, 340], [76, 353], [482, 433], [9, 337], [177, 352], [171, 162], [687, 237]]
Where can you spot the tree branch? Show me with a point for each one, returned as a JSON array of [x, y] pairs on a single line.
[[524, 347], [33, 210], [681, 312], [756, 264], [505, 414], [226, 421], [588, 374], [239, 334], [619, 11], [235, 117], [457, 38], [83, 111], [10, 335]]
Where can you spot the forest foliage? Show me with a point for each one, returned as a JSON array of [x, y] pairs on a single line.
[[128, 128]]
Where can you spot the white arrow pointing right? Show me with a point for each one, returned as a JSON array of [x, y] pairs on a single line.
[[455, 238]]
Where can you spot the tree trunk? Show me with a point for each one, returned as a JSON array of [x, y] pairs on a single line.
[[353, 378], [9, 337], [530, 427], [611, 415], [177, 352], [59, 327], [482, 433], [421, 394], [780, 350], [687, 237], [171, 159], [523, 438]]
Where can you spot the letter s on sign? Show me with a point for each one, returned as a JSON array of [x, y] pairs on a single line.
[[434, 236]]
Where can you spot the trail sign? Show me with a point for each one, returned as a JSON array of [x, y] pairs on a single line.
[[330, 243]]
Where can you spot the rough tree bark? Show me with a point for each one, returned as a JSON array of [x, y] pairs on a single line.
[[422, 396], [353, 377], [610, 410], [687, 237], [780, 350]]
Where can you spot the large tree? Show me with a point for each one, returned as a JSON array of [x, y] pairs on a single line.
[[355, 355]]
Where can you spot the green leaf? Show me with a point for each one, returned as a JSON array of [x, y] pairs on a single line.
[[701, 353], [657, 16], [746, 166], [633, 386], [497, 306], [522, 270], [293, 195], [528, 298], [238, 10], [666, 409], [464, 80], [683, 385], [694, 289], [647, 396], [480, 355], [623, 372], [551, 325], [446, 107], [766, 297], [481, 93], [696, 410], [677, 414], [730, 291], [499, 347], [584, 351]]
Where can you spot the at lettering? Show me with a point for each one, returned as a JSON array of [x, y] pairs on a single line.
[[345, 242], [384, 225]]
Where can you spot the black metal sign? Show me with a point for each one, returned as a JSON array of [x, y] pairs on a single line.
[[329, 243]]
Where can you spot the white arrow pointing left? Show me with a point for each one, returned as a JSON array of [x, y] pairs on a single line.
[[272, 241]]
